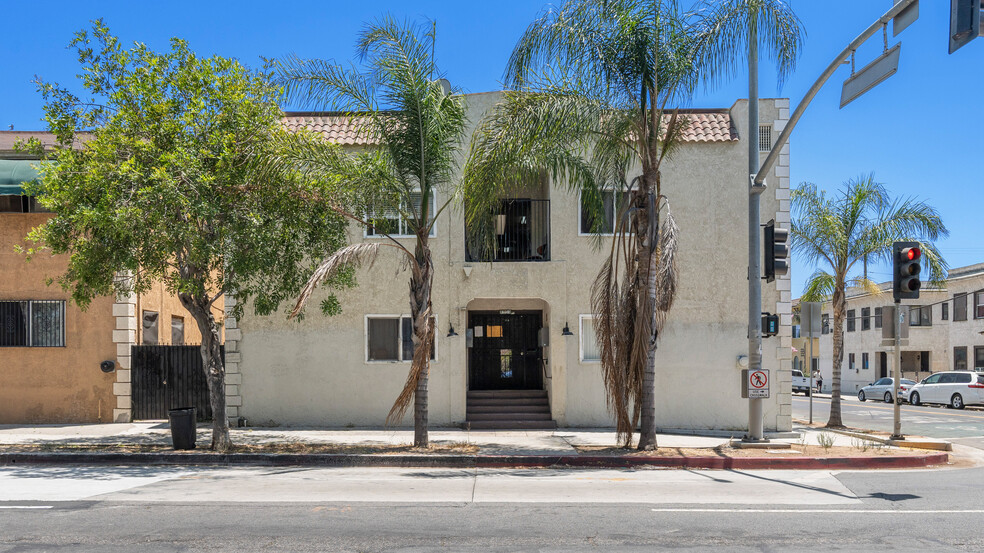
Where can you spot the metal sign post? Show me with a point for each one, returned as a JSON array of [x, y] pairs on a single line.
[[810, 326], [897, 411]]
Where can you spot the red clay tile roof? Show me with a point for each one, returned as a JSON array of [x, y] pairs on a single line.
[[705, 126], [337, 128]]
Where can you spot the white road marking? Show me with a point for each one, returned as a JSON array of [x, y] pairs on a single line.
[[830, 511], [26, 506]]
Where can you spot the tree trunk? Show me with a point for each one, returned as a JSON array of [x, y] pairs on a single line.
[[648, 257], [200, 309], [421, 284], [839, 304]]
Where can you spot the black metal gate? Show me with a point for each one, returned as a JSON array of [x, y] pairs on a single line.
[[168, 377], [505, 352]]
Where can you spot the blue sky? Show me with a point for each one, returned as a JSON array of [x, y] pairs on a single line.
[[920, 132]]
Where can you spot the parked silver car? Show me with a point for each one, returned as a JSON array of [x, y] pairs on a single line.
[[883, 388], [953, 388]]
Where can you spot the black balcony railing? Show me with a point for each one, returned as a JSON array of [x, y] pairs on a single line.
[[521, 233]]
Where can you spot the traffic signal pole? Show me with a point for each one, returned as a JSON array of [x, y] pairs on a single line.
[[756, 431], [897, 408]]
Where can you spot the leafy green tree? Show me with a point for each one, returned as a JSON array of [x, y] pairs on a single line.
[[166, 190], [858, 223], [418, 121]]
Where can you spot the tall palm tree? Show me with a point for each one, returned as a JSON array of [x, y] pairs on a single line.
[[859, 222], [419, 124], [594, 87]]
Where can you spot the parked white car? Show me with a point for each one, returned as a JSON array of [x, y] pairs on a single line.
[[801, 384], [953, 388], [883, 388]]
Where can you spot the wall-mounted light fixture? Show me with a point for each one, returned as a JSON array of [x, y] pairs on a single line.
[[451, 331], [567, 330]]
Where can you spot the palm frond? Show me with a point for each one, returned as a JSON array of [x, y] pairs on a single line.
[[820, 287]]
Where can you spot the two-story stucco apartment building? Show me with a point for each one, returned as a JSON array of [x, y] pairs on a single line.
[[53, 354], [519, 322], [946, 332]]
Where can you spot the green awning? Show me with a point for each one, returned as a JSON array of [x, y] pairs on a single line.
[[14, 173]]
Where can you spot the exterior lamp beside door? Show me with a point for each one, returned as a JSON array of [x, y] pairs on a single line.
[[451, 331], [567, 330]]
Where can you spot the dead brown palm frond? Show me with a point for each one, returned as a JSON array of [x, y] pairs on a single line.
[[356, 254], [666, 268], [418, 368]]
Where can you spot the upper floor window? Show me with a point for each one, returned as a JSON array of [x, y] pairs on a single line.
[[979, 305], [825, 324], [878, 317], [850, 361], [32, 323], [945, 311], [391, 222], [177, 330], [865, 318], [851, 322], [611, 201], [921, 315], [960, 307], [765, 138]]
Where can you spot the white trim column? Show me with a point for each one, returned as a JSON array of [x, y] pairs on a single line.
[[233, 378], [124, 336], [784, 305]]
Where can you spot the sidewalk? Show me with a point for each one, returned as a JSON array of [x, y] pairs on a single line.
[[105, 443]]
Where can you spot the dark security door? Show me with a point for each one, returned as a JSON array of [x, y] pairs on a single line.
[[505, 352]]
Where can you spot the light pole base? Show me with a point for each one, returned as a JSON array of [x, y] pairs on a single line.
[[897, 437], [750, 440]]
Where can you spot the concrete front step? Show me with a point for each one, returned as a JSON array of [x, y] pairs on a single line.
[[510, 425], [544, 408], [508, 403], [507, 394], [507, 416]]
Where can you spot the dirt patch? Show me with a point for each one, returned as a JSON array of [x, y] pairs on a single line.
[[302, 448], [731, 452]]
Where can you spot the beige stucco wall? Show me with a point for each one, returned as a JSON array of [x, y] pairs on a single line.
[[939, 339], [52, 384], [315, 371], [159, 300]]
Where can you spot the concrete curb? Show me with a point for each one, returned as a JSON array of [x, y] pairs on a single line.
[[469, 461], [911, 443]]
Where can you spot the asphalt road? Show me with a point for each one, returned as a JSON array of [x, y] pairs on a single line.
[[965, 426], [161, 509]]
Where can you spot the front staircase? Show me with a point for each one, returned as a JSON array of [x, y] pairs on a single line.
[[508, 410]]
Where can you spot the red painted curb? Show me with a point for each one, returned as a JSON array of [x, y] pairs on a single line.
[[724, 463]]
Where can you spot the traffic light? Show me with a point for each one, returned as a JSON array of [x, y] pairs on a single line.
[[776, 251], [965, 22], [905, 283]]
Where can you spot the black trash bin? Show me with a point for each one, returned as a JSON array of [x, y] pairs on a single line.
[[182, 427]]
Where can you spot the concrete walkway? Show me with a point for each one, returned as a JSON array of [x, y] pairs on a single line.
[[489, 442]]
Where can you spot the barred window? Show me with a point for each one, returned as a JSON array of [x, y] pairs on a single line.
[[32, 323], [765, 138]]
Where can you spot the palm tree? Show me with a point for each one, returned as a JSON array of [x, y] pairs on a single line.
[[859, 222], [419, 124], [591, 85]]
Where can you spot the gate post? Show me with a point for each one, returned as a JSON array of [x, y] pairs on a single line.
[[124, 336]]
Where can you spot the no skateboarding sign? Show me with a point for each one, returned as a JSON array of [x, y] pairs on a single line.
[[755, 384]]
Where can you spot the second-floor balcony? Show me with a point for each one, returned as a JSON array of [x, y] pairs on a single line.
[[521, 233]]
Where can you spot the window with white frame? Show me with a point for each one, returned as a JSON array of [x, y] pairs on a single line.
[[390, 338], [389, 221], [589, 342], [611, 202], [32, 323]]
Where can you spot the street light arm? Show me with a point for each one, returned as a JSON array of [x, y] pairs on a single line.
[[773, 156]]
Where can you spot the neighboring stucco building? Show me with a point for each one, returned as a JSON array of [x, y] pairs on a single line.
[[348, 369], [946, 332], [53, 352]]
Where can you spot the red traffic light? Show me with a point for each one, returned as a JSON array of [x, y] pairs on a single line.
[[911, 254]]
